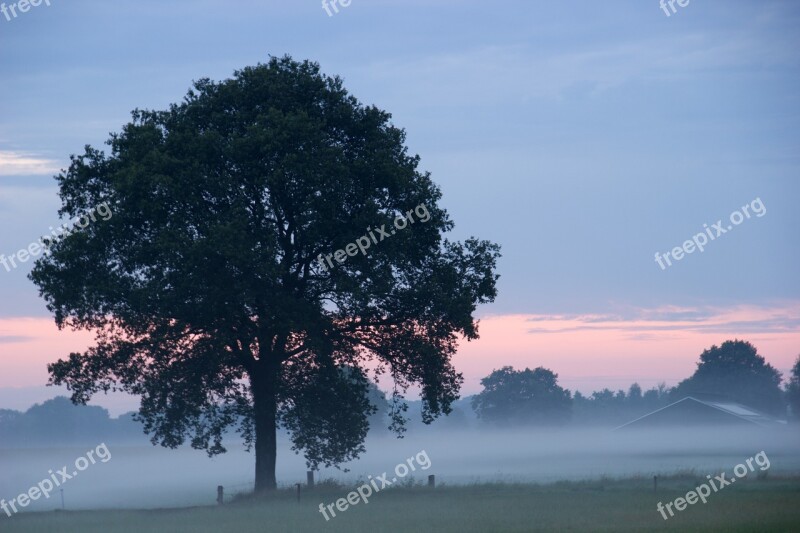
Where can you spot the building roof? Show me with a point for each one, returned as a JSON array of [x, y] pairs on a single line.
[[690, 410]]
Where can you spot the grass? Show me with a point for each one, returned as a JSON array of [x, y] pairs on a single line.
[[764, 505]]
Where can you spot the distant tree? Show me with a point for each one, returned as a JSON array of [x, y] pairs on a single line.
[[605, 407], [656, 397], [380, 420], [56, 421], [8, 424], [603, 397], [793, 390], [635, 395], [59, 422], [522, 397], [126, 428], [226, 288], [579, 399], [735, 371], [582, 412]]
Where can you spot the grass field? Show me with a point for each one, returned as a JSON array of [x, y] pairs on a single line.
[[757, 505]]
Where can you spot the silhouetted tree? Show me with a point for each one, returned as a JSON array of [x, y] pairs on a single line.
[[735, 371], [56, 422], [634, 395], [209, 288], [607, 408], [380, 419], [522, 397], [605, 398], [656, 397], [793, 389], [8, 418]]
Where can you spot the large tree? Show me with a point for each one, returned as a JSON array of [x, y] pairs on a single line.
[[211, 291], [522, 397], [735, 371]]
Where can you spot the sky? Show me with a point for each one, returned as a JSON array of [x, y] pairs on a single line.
[[583, 137]]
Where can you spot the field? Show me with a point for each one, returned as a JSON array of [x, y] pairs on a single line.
[[762, 505]]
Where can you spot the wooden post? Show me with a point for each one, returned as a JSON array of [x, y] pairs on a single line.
[[432, 481], [298, 490], [655, 483], [310, 479], [220, 496]]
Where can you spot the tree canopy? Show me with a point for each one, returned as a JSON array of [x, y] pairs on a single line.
[[793, 389], [522, 397], [735, 371], [208, 289]]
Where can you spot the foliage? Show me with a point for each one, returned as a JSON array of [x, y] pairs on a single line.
[[793, 389], [522, 397], [609, 408], [734, 371]]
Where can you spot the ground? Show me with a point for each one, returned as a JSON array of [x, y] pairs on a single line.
[[759, 505]]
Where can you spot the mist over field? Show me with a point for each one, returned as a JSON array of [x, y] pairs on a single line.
[[147, 477]]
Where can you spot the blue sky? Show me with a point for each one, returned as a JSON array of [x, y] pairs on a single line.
[[581, 136]]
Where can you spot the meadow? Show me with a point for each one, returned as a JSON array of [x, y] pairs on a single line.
[[763, 504]]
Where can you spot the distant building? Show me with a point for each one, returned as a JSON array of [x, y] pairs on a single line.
[[691, 411]]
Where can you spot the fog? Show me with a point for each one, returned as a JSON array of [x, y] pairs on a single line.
[[150, 477]]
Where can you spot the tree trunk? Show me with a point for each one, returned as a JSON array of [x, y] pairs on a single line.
[[263, 385]]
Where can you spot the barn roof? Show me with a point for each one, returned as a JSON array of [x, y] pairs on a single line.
[[707, 411]]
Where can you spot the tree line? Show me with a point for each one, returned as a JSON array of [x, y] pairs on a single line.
[[732, 372]]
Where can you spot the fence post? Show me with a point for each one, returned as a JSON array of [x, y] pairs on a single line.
[[310, 479], [432, 481], [298, 490], [220, 497], [655, 483]]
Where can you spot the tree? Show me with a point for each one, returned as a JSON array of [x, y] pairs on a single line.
[[635, 395], [607, 407], [656, 397], [522, 397], [382, 408], [793, 389], [55, 422], [735, 371], [212, 290]]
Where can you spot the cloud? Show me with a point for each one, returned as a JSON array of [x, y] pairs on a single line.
[[12, 339], [19, 164], [641, 323]]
